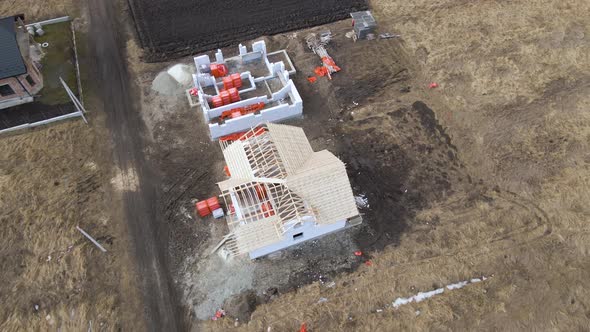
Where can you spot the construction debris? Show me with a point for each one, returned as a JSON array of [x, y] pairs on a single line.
[[91, 239], [361, 201], [317, 43], [388, 35], [218, 314]]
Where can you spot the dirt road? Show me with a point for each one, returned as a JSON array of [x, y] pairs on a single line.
[[136, 181]]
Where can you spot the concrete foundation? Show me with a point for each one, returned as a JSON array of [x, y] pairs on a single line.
[[264, 82]]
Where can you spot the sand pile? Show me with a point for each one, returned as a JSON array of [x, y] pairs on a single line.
[[166, 84], [183, 74]]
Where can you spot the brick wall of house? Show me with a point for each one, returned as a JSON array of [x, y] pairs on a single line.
[[24, 88], [19, 91], [35, 76]]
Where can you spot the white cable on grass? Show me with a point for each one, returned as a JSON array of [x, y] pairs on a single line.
[[421, 296]]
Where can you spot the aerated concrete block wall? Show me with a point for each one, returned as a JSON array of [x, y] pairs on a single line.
[[307, 231], [245, 122], [290, 102]]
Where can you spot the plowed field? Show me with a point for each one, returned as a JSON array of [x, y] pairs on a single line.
[[166, 27]]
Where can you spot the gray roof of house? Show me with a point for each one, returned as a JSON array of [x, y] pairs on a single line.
[[11, 61]]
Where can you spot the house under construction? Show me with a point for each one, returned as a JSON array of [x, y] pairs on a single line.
[[280, 192], [237, 93]]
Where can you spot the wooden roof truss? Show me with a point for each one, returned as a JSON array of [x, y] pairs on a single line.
[[259, 207]]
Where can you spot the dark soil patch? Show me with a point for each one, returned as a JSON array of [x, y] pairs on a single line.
[[167, 27], [403, 162], [32, 112], [186, 158], [243, 305]]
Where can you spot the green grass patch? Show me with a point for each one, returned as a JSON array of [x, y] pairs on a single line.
[[58, 61], [84, 62]]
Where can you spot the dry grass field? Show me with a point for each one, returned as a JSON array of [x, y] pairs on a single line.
[[39, 10], [53, 179], [514, 96]]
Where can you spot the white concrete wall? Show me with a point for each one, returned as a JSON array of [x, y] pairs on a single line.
[[259, 46], [292, 69], [215, 112], [252, 56], [245, 122], [202, 60], [287, 91], [274, 114], [310, 231], [219, 56]]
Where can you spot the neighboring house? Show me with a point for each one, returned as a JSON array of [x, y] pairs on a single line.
[[20, 79], [281, 192]]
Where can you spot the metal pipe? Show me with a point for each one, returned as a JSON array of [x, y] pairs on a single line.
[[91, 239]]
